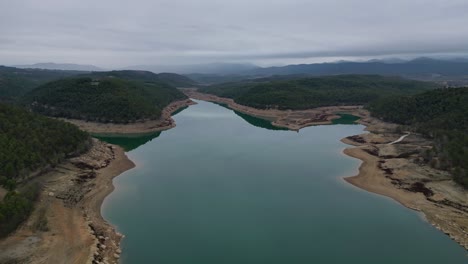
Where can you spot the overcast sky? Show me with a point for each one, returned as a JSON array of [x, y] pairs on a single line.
[[114, 33]]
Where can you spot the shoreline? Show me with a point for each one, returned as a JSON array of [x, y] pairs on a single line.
[[75, 191], [290, 119], [72, 198], [165, 122], [416, 186], [70, 204], [389, 164]]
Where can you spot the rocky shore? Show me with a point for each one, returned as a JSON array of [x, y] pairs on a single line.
[[165, 122], [72, 229], [290, 119], [69, 207], [398, 170]]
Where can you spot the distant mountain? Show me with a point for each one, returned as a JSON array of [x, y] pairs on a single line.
[[412, 68], [60, 66], [208, 68], [15, 82], [171, 79]]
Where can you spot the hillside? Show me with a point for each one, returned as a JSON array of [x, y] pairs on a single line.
[[28, 143], [16, 82], [176, 80], [104, 98], [440, 114], [162, 79], [303, 93]]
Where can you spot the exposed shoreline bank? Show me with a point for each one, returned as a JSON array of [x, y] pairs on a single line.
[[398, 172], [290, 119], [79, 233], [72, 197], [70, 204], [165, 122]]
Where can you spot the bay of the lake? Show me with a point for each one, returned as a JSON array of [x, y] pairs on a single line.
[[223, 188]]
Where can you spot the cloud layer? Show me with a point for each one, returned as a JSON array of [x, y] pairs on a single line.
[[115, 33]]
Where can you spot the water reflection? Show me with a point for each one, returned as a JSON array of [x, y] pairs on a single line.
[[132, 141], [128, 142]]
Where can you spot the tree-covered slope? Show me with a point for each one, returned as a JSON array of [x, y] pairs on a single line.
[[302, 93], [16, 82], [163, 79], [29, 143], [176, 80], [104, 97], [441, 114]]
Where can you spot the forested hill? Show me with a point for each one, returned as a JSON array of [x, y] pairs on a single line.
[[303, 93], [106, 99], [177, 80], [171, 79], [16, 82], [29, 142], [441, 114]]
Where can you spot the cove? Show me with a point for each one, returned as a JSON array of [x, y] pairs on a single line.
[[220, 189]]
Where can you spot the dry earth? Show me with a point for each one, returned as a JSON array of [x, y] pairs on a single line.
[[70, 204], [165, 122], [398, 171], [291, 119]]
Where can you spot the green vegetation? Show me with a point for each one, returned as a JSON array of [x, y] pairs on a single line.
[[16, 82], [16, 207], [105, 97], [440, 114], [30, 143], [304, 93], [345, 119], [176, 80], [161, 79]]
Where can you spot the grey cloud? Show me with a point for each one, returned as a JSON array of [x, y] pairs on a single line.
[[115, 33]]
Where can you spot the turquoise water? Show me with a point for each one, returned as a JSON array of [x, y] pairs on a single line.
[[217, 189]]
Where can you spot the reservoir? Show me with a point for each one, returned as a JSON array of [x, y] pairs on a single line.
[[225, 188]]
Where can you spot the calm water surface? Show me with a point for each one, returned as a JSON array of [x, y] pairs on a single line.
[[222, 188]]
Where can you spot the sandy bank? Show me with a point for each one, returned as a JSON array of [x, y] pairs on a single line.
[[71, 204], [291, 119], [165, 122], [398, 171]]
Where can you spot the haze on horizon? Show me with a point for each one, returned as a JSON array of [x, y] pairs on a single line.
[[118, 33]]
